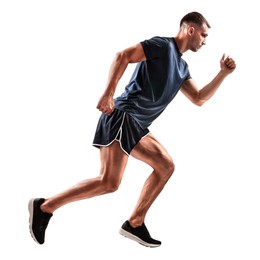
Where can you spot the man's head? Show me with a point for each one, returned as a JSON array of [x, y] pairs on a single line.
[[194, 29]]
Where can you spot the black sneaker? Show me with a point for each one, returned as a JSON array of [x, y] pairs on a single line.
[[38, 220], [138, 234]]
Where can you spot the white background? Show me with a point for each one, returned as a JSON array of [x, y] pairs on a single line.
[[54, 62]]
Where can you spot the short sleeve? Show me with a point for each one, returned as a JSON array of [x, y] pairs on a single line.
[[154, 47]]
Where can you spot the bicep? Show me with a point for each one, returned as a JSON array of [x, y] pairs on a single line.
[[134, 54]]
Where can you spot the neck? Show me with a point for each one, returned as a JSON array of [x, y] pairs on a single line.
[[181, 42], [182, 38]]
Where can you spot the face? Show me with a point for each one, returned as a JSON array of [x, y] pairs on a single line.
[[198, 36]]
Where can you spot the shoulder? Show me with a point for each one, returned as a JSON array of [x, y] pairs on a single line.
[[155, 46], [157, 41]]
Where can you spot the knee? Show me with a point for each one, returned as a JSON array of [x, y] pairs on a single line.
[[110, 185], [170, 167], [166, 168]]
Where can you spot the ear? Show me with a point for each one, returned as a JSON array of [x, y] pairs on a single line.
[[191, 30]]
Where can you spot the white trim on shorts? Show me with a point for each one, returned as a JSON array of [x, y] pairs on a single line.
[[119, 133]]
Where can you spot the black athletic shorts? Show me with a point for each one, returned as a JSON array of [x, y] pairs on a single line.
[[121, 127]]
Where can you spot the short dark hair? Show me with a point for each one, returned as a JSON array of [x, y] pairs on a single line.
[[194, 17]]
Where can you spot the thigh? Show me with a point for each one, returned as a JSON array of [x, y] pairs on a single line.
[[152, 152], [113, 162]]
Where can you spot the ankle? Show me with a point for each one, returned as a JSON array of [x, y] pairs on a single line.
[[45, 208], [135, 223]]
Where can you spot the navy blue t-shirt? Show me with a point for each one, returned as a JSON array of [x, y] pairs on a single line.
[[154, 82]]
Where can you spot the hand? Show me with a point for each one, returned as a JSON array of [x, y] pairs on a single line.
[[227, 64], [106, 105]]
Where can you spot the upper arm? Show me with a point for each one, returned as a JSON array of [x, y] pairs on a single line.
[[133, 54], [148, 49], [190, 90]]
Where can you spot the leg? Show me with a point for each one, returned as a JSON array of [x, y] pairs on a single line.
[[150, 151], [113, 163]]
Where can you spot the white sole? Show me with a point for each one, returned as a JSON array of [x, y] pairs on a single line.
[[30, 208], [135, 238]]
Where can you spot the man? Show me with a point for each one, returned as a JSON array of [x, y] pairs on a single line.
[[122, 129]]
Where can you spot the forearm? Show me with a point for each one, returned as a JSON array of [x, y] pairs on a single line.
[[209, 90], [118, 66], [116, 71], [227, 66]]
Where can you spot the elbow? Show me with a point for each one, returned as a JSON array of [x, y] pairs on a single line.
[[198, 100], [121, 57], [199, 103]]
